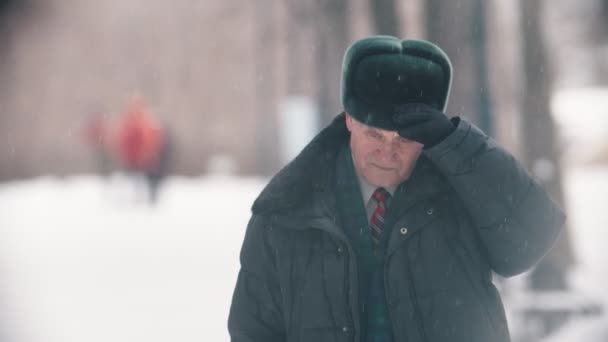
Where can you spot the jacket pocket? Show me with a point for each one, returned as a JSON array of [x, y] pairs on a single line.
[[320, 310], [491, 305], [456, 315]]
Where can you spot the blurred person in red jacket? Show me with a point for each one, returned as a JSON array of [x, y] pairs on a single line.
[[142, 146]]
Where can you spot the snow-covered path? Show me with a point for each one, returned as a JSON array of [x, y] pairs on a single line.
[[80, 261]]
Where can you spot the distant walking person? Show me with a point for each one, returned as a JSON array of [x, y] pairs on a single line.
[[158, 172], [143, 147]]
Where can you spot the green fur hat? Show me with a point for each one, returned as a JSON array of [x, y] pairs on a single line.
[[382, 73]]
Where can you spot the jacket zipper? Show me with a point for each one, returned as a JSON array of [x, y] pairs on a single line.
[[354, 319], [386, 292], [413, 296], [348, 284]]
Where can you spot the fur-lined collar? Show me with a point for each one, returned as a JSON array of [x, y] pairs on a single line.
[[309, 175]]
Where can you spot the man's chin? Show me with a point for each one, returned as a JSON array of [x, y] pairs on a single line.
[[383, 180]]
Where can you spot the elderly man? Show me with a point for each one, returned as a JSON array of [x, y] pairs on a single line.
[[388, 225]]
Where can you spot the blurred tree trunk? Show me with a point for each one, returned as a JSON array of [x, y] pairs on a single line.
[[6, 5], [483, 108], [385, 17], [8, 166], [459, 28], [540, 151], [300, 55], [603, 31], [450, 24], [333, 37], [265, 59], [604, 15]]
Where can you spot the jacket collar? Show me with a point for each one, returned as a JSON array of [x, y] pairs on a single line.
[[305, 185]]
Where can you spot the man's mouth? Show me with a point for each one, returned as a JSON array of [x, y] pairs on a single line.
[[383, 168]]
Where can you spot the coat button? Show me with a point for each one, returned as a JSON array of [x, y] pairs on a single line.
[[430, 211], [403, 230], [340, 250], [345, 329]]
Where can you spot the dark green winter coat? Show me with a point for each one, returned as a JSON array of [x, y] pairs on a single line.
[[471, 209]]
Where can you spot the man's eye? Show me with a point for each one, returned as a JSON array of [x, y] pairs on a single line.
[[403, 140], [374, 135]]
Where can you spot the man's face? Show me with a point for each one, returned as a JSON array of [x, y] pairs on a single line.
[[382, 157]]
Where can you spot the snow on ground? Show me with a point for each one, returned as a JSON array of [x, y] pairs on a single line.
[[581, 116], [587, 190], [81, 260]]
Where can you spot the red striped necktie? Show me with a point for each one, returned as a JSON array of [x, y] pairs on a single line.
[[381, 196]]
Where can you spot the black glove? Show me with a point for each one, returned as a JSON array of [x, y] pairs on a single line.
[[423, 123]]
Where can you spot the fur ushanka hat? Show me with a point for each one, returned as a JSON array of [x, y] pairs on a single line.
[[381, 74]]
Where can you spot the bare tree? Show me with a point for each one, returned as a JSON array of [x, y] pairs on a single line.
[[300, 55], [13, 14], [482, 95], [6, 5], [603, 31], [333, 36], [385, 17], [540, 152], [449, 24], [264, 86], [459, 28], [604, 15]]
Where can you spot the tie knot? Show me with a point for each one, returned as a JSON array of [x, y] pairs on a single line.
[[381, 196]]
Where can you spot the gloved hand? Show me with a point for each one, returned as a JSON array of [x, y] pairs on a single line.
[[423, 123]]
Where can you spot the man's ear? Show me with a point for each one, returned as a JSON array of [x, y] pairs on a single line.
[[349, 122]]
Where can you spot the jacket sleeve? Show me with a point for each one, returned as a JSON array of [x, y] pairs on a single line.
[[517, 221], [255, 313]]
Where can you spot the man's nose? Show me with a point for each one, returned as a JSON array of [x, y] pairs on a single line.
[[388, 149]]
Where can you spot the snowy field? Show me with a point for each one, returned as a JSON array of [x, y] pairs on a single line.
[[81, 260]]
